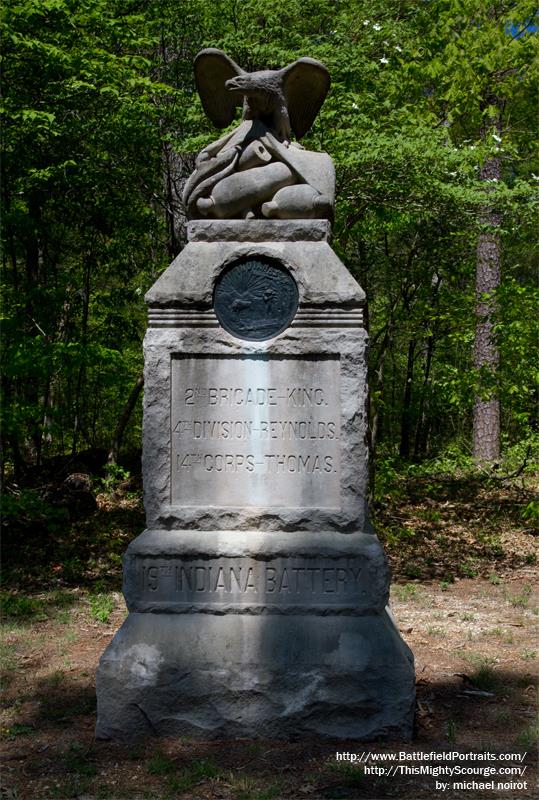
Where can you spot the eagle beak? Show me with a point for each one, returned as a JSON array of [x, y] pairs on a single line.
[[232, 85]]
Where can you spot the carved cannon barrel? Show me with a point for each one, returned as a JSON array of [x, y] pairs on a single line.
[[245, 189]]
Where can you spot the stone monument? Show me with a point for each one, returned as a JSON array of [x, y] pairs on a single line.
[[258, 594]]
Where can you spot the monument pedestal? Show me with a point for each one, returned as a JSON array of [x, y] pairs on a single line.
[[257, 596]]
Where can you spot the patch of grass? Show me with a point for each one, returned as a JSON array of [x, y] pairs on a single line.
[[205, 768], [468, 568], [8, 656], [62, 599], [529, 655], [467, 617], [491, 542], [70, 636], [405, 592], [55, 680], [243, 786], [73, 569], [272, 791], [531, 511], [136, 753], [197, 772], [522, 599], [75, 761], [160, 764], [412, 571], [528, 738], [486, 679], [494, 579], [16, 730], [483, 677], [19, 606], [451, 731], [429, 515], [477, 660], [71, 787], [434, 630], [101, 606], [347, 773], [397, 535], [269, 793]]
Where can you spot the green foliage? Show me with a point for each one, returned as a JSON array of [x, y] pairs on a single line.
[[101, 606], [531, 511], [485, 679], [101, 118], [115, 474], [16, 730], [160, 765], [528, 736], [19, 606], [28, 511]]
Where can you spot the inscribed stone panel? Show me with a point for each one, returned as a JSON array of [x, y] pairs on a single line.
[[255, 431]]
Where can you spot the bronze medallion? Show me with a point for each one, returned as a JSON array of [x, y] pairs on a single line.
[[255, 298]]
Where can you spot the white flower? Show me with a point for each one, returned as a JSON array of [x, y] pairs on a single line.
[[355, 106], [384, 60], [472, 147], [453, 174], [366, 22], [535, 177], [496, 138], [386, 43], [397, 47], [377, 27]]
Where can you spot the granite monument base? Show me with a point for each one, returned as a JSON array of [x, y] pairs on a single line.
[[257, 597], [251, 639]]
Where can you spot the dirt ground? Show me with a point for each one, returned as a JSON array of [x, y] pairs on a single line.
[[469, 617]]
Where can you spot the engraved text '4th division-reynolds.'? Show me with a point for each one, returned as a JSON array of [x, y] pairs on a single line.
[[270, 426]]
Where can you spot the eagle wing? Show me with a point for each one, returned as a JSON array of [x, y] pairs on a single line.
[[212, 69], [306, 83]]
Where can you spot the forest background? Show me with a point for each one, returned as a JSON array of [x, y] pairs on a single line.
[[431, 123]]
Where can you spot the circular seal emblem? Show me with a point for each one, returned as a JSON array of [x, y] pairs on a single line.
[[255, 298]]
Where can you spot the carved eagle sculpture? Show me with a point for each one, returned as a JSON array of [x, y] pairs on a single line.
[[284, 100]]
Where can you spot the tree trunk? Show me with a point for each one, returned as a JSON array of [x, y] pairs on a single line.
[[486, 413], [421, 434], [78, 423], [406, 416], [124, 419]]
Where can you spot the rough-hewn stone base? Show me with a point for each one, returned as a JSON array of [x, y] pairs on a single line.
[[257, 595], [214, 676]]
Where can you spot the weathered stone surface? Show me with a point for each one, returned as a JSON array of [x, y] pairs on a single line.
[[258, 230], [285, 100], [272, 422], [322, 279], [254, 573], [249, 165], [257, 594], [257, 676], [321, 513]]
